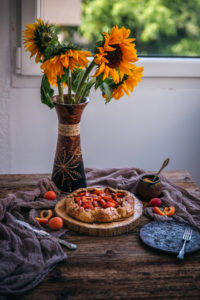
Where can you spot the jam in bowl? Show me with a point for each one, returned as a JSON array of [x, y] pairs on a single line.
[[148, 187]]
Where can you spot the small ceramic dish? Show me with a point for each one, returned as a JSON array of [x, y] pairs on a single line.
[[147, 188]]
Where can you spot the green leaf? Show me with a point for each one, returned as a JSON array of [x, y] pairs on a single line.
[[49, 52], [46, 92], [64, 77], [99, 81], [106, 90]]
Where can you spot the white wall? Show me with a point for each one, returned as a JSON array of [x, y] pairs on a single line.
[[5, 164], [159, 120]]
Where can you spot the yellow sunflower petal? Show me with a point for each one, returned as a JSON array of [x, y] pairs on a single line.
[[38, 56], [30, 26], [106, 72], [125, 88], [118, 93], [100, 70], [115, 76]]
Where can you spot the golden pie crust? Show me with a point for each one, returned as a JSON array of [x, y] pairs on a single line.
[[123, 209]]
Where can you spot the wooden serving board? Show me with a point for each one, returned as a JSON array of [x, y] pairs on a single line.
[[102, 229]]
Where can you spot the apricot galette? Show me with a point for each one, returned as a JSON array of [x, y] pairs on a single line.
[[93, 205]]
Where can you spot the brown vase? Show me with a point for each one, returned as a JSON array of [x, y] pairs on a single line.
[[68, 170]]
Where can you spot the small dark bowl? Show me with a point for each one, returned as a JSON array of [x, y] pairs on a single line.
[[147, 188]]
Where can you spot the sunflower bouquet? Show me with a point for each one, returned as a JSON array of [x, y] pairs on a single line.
[[112, 67]]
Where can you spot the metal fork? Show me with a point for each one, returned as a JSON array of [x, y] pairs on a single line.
[[186, 238]]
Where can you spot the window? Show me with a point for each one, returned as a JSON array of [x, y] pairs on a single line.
[[161, 27], [169, 47]]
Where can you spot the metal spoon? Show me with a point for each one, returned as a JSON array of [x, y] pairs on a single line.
[[165, 163]]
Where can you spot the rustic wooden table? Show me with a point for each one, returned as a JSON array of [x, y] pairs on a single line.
[[119, 267]]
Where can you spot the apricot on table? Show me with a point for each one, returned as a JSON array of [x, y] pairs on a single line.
[[50, 195], [158, 211], [56, 223], [46, 213], [42, 221], [155, 202], [169, 211]]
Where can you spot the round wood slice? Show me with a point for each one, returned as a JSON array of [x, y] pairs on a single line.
[[103, 229]]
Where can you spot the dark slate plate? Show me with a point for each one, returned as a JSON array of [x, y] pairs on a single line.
[[167, 236]]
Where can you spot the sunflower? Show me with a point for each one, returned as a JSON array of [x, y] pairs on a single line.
[[78, 59], [54, 67], [128, 83], [116, 54], [37, 37]]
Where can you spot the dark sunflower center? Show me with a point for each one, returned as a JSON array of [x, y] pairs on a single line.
[[114, 57]]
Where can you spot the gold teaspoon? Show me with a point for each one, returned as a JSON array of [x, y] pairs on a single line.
[[165, 163]]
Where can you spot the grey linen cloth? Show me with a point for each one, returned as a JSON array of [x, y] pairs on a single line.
[[25, 257], [187, 205]]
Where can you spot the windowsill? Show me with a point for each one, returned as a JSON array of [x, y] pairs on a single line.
[[160, 68], [170, 67]]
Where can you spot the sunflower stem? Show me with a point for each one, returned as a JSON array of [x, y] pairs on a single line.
[[60, 92], [87, 87], [70, 87], [81, 83]]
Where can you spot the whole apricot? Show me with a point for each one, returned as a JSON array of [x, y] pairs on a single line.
[[155, 202], [50, 195], [56, 223]]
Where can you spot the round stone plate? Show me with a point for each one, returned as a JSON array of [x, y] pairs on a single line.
[[167, 236]]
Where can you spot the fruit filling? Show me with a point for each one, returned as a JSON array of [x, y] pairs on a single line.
[[99, 199]]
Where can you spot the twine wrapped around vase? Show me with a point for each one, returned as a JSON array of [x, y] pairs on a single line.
[[68, 130]]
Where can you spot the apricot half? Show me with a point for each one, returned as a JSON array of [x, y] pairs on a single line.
[[169, 211], [158, 211], [42, 221], [46, 213]]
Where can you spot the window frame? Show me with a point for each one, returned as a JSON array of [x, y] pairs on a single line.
[[28, 71]]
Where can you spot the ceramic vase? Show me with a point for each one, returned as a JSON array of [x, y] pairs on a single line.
[[68, 169]]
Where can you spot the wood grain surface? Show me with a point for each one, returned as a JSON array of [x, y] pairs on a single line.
[[118, 267], [103, 229]]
